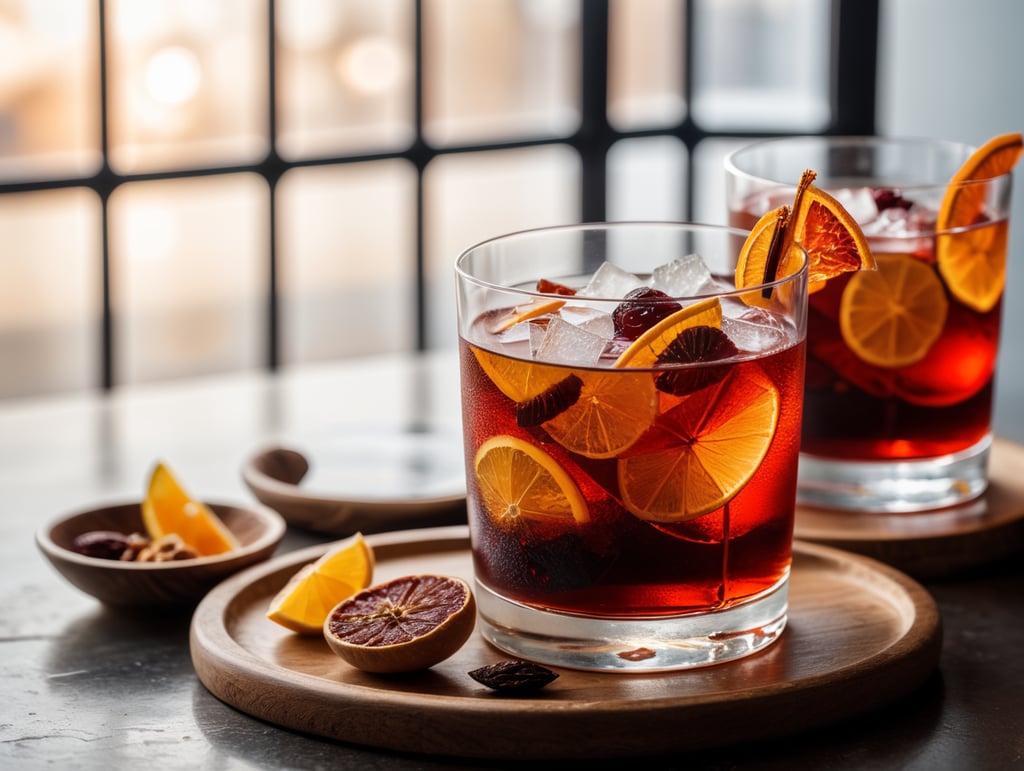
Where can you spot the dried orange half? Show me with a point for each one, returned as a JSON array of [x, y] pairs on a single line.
[[892, 316], [833, 240], [168, 509], [403, 625], [972, 260], [704, 450], [519, 480]]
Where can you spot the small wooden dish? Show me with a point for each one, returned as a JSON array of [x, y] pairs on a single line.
[[156, 584], [274, 474]]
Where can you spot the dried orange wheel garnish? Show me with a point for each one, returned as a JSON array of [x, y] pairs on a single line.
[[611, 412], [704, 450], [519, 480], [891, 317], [168, 509], [833, 240], [972, 260], [404, 625]]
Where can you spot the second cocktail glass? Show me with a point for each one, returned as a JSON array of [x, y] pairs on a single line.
[[631, 425], [901, 360]]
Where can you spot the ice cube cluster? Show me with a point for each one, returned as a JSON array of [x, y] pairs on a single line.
[[580, 333], [899, 228]]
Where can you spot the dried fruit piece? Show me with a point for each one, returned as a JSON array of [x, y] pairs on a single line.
[[696, 344], [551, 402], [168, 508], [407, 624], [102, 544], [645, 350], [640, 310], [514, 676]]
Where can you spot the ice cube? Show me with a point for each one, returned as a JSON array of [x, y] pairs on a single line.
[[566, 343], [683, 277], [592, 320], [610, 281], [756, 330], [859, 202]]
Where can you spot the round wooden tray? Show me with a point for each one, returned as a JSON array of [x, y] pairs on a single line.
[[937, 543], [860, 634]]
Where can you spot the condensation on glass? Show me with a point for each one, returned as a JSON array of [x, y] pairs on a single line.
[[646, 63], [49, 82], [762, 64], [188, 83], [346, 244], [469, 197], [189, 276], [346, 76], [51, 292], [500, 70]]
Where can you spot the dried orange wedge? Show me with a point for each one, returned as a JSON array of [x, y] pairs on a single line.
[[833, 240], [404, 625], [645, 350], [168, 509], [892, 316], [608, 415], [518, 480], [704, 450], [304, 601], [972, 260]]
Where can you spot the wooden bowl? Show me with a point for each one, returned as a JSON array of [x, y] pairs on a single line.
[[180, 583]]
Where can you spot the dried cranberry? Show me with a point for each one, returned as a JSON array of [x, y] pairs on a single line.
[[104, 544], [891, 199], [640, 310], [552, 287]]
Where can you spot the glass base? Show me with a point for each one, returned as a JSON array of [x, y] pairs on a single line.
[[894, 486], [650, 644]]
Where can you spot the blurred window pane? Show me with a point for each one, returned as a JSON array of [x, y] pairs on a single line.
[[188, 83], [646, 63], [189, 276], [49, 84], [646, 179], [346, 74], [708, 161], [470, 197], [51, 292], [347, 259], [500, 69], [762, 64]]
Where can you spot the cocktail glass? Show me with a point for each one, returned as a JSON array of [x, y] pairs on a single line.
[[900, 361], [631, 454]]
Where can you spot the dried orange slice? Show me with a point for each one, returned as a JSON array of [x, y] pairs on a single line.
[[645, 350], [833, 240], [303, 603], [403, 625], [972, 260], [703, 450], [168, 509], [518, 480], [891, 317], [538, 306], [612, 410]]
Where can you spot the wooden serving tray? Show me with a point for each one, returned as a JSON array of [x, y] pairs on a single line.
[[857, 629], [936, 543]]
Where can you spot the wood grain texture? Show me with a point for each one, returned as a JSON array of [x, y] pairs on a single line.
[[938, 543], [860, 634]]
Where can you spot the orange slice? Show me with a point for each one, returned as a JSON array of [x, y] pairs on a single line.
[[613, 408], [304, 602], [972, 260], [891, 317], [404, 625], [703, 451], [518, 480], [833, 240], [645, 350], [168, 509], [538, 306]]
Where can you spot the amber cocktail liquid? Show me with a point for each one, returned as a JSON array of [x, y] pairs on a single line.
[[901, 360], [631, 426]]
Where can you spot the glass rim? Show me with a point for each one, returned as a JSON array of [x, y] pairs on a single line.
[[853, 140], [622, 225]]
